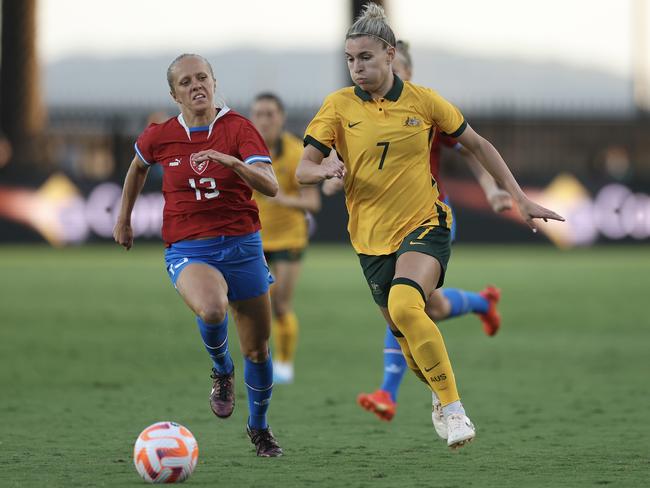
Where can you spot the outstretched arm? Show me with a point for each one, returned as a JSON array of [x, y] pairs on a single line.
[[492, 161], [498, 199], [133, 183]]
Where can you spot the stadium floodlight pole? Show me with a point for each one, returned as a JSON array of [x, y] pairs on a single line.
[[23, 114], [641, 55]]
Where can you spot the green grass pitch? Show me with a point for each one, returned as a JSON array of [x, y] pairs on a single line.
[[95, 345]]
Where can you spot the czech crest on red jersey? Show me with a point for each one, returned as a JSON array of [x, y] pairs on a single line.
[[199, 168]]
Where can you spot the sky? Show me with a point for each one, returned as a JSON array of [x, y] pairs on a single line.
[[586, 33]]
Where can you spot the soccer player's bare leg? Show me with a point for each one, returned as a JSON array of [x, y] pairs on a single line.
[[285, 323], [438, 306], [416, 276], [253, 319], [205, 291]]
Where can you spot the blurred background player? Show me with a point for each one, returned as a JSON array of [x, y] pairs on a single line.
[[284, 227], [397, 224], [212, 159]]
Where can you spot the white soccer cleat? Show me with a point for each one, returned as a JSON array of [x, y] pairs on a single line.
[[282, 373], [437, 417], [460, 430]]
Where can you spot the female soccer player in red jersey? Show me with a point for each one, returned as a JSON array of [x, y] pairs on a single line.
[[212, 159]]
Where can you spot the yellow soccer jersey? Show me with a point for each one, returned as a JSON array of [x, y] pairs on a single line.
[[283, 227], [385, 146]]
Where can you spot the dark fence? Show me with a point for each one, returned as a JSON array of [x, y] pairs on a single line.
[[535, 147], [92, 147]]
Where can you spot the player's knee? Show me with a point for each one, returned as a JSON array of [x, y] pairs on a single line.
[[437, 307], [435, 312], [401, 306], [399, 314], [213, 313], [257, 355], [281, 307]]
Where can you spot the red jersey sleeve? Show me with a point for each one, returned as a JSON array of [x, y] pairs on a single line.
[[252, 148], [145, 143], [448, 141]]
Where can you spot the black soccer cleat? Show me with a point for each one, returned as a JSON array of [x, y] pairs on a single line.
[[265, 444], [222, 396]]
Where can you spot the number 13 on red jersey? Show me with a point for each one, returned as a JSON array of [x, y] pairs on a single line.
[[204, 185]]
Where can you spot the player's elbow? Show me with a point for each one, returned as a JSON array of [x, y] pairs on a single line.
[[272, 189], [482, 146], [305, 174], [268, 188], [301, 175]]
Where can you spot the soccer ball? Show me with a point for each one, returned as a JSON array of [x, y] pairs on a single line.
[[165, 452]]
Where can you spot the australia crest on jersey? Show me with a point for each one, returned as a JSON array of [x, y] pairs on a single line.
[[375, 289], [198, 167], [412, 122]]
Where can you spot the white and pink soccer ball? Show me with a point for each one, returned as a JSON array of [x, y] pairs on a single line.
[[165, 452]]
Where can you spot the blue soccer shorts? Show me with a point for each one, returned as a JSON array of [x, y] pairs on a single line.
[[239, 259]]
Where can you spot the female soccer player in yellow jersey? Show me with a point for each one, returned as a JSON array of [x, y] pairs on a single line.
[[284, 227], [401, 231], [444, 303]]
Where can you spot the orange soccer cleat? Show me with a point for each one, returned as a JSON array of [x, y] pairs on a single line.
[[379, 403], [491, 319]]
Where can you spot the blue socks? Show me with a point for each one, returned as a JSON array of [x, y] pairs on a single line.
[[257, 376], [215, 339], [463, 302], [394, 365], [259, 384]]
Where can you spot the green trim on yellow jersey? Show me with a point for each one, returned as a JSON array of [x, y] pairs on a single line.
[[392, 95], [442, 216], [318, 145], [458, 131]]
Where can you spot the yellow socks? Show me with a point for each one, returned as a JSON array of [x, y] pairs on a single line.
[[425, 344], [285, 336], [406, 352]]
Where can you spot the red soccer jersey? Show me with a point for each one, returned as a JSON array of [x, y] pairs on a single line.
[[205, 199], [439, 139]]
